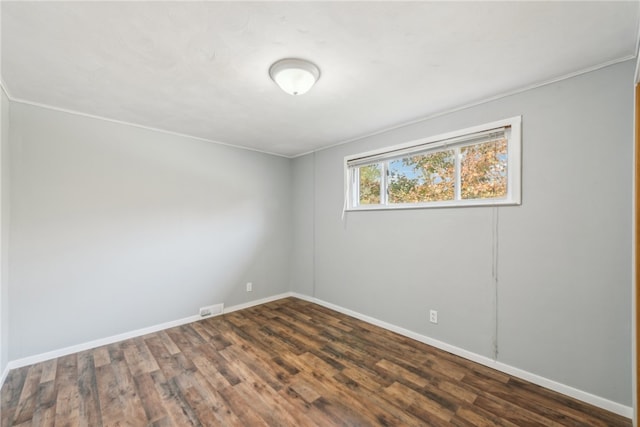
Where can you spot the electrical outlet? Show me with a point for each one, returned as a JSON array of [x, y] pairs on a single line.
[[249, 287], [433, 316]]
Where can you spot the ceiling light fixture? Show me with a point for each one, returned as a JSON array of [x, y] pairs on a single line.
[[294, 76]]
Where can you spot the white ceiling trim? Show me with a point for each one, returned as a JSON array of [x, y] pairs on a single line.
[[637, 49], [3, 85], [379, 132], [107, 119], [479, 102]]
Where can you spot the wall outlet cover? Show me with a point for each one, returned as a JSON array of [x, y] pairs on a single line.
[[433, 316]]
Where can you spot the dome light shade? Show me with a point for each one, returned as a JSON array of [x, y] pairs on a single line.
[[294, 76]]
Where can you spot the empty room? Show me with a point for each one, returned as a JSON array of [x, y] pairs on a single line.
[[318, 213]]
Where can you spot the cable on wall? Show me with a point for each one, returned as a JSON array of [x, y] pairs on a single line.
[[313, 223], [494, 274]]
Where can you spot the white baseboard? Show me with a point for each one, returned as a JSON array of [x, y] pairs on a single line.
[[4, 375], [258, 302], [601, 402], [30, 360], [592, 399]]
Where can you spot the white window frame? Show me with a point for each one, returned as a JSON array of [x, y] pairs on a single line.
[[456, 140]]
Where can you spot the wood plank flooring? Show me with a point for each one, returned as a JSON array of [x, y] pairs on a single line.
[[285, 363]]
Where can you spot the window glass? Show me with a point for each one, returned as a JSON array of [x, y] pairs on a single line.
[[370, 182], [483, 170], [422, 178]]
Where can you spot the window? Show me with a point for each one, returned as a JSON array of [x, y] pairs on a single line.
[[471, 167]]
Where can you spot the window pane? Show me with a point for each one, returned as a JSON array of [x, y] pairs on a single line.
[[483, 171], [422, 178], [370, 180]]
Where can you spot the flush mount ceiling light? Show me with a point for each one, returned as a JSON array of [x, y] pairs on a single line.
[[294, 76]]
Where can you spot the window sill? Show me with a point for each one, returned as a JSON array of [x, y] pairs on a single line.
[[452, 204]]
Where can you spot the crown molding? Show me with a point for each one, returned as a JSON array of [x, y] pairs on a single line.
[[476, 103]]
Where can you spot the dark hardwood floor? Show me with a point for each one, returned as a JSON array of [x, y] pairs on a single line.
[[285, 363]]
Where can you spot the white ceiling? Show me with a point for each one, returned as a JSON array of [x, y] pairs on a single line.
[[201, 68]]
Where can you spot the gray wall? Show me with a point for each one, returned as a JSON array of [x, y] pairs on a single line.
[[561, 304], [4, 231], [115, 228]]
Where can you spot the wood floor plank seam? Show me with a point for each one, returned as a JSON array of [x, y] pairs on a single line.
[[284, 363]]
